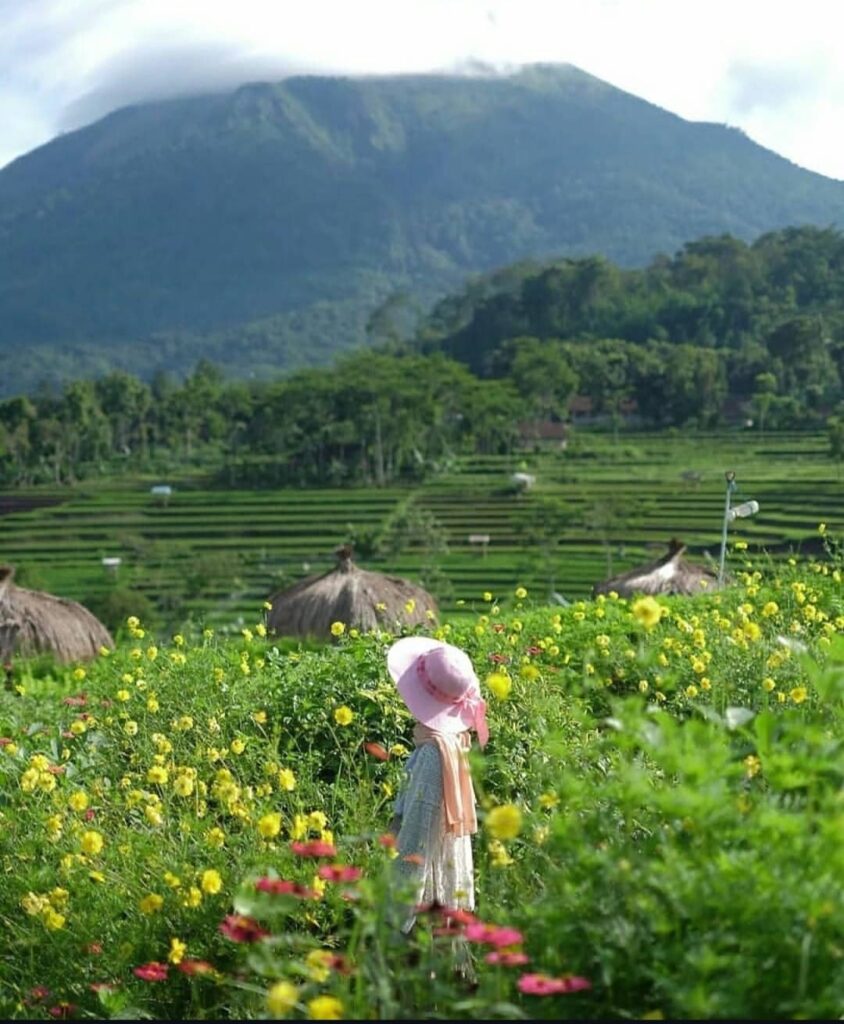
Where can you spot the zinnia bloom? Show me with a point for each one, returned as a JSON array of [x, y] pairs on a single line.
[[514, 959], [153, 971], [493, 935], [192, 967], [542, 985], [240, 928], [339, 873], [314, 848], [504, 822]]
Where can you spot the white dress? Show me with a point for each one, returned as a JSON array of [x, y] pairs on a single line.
[[441, 869]]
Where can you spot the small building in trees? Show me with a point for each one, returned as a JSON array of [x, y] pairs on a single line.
[[669, 574], [34, 622], [356, 597]]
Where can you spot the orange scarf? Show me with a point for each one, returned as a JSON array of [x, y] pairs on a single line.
[[458, 792]]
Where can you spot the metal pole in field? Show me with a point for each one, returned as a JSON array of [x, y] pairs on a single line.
[[731, 483]]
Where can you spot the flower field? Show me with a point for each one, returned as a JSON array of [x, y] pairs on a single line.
[[196, 828]]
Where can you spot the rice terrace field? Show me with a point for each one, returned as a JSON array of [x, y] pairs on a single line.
[[193, 825], [215, 554]]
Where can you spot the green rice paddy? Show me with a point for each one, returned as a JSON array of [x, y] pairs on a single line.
[[215, 555]]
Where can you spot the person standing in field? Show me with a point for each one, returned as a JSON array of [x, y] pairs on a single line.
[[435, 811]]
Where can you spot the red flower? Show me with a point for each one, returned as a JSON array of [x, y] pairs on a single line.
[[387, 840], [62, 1009], [314, 848], [94, 948], [542, 985], [192, 967], [498, 627], [79, 701], [513, 959], [493, 935], [377, 751], [281, 887], [339, 873], [240, 928], [153, 971], [5, 741], [39, 992], [534, 650], [459, 916], [90, 814], [414, 858]]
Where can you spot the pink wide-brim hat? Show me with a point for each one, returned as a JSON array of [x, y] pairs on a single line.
[[438, 684]]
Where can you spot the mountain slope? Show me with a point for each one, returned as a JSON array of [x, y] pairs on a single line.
[[280, 202]]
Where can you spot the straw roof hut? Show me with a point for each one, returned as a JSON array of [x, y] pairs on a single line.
[[33, 622], [356, 597], [670, 574]]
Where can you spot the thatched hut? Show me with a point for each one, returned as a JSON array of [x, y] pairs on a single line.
[[670, 574], [33, 622], [351, 595]]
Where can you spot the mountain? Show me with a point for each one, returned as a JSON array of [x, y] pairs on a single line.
[[261, 227]]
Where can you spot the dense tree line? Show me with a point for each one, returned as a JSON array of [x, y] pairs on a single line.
[[724, 327], [761, 322]]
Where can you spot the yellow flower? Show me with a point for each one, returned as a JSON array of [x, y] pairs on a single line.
[[211, 881], [192, 898], [821, 528], [771, 608], [172, 880], [281, 998], [79, 674], [286, 779], [647, 611], [178, 640], [337, 629], [768, 684], [261, 629], [91, 843], [215, 837], [520, 593], [53, 920], [177, 951], [151, 903], [123, 695], [798, 694], [152, 652], [498, 855], [487, 596], [78, 801], [270, 825], [130, 728], [259, 717], [133, 622], [318, 961], [153, 815], [158, 774], [183, 784], [317, 820], [325, 1008], [237, 746], [691, 691], [398, 750], [410, 606], [499, 684], [548, 800], [343, 715], [504, 822]]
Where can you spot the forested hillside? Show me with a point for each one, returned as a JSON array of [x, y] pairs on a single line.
[[262, 227]]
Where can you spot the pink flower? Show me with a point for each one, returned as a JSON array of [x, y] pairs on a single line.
[[94, 948], [542, 985], [79, 701], [387, 840], [281, 887], [192, 967], [339, 873], [459, 916], [493, 935], [513, 959], [314, 848], [39, 992], [5, 741], [153, 971], [62, 1009], [240, 928]]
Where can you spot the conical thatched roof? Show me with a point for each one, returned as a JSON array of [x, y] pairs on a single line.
[[670, 574], [356, 597], [33, 622]]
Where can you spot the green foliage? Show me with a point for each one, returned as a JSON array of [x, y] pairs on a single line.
[[661, 755]]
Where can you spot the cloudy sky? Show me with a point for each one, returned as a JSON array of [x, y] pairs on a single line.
[[769, 67]]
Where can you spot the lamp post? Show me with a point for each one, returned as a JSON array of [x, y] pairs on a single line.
[[742, 511]]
